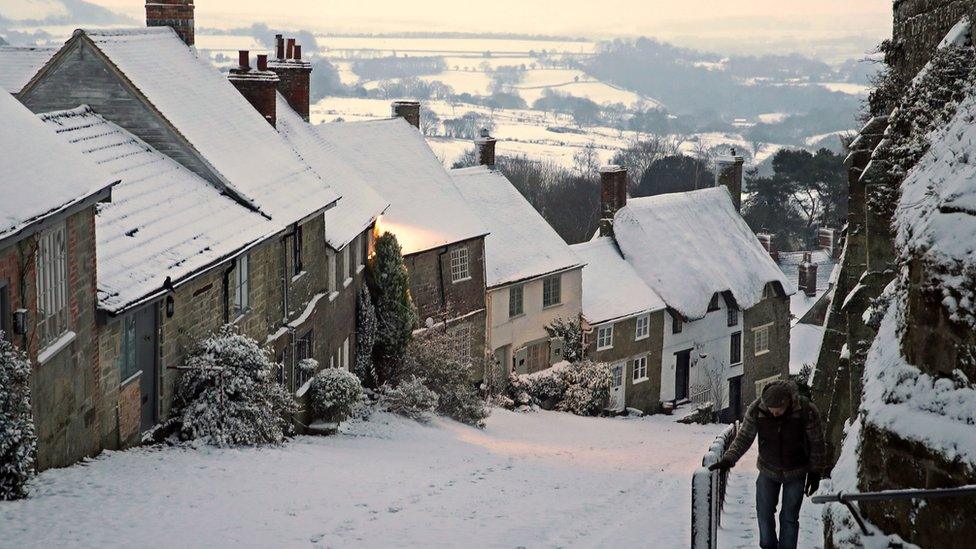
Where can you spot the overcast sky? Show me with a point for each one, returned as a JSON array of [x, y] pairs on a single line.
[[730, 23]]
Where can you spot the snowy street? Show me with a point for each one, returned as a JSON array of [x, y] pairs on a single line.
[[541, 479]]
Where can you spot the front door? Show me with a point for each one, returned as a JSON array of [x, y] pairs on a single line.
[[682, 367], [617, 390], [735, 398], [145, 355]]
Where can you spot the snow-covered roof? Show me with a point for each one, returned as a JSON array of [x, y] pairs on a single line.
[[360, 203], [612, 289], [40, 175], [689, 246], [19, 64], [426, 209], [521, 244], [214, 117], [164, 220], [789, 263]]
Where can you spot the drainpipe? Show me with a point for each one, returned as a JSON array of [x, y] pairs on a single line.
[[226, 284], [440, 277]]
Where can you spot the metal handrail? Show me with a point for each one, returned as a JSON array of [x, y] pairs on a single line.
[[848, 499], [708, 493]]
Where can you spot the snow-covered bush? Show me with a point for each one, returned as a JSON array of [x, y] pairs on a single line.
[[434, 359], [412, 399], [588, 388], [228, 394], [365, 337], [395, 314], [334, 394], [572, 336], [18, 442]]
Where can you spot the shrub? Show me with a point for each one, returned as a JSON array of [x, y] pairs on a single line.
[[572, 336], [334, 394], [365, 337], [588, 388], [18, 442], [433, 359], [228, 394], [412, 399]]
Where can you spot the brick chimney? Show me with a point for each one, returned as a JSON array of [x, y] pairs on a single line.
[[728, 172], [807, 282], [613, 195], [293, 74], [256, 84], [172, 13], [484, 149], [766, 240], [828, 240], [408, 110]]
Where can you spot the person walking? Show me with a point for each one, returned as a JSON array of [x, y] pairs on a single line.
[[792, 458]]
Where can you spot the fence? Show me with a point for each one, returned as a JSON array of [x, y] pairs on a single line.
[[708, 493], [700, 393], [849, 499]]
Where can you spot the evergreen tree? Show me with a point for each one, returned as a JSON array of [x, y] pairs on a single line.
[[18, 442], [365, 338], [395, 315]]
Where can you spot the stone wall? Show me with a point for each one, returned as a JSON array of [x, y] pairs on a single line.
[[774, 311], [644, 395], [919, 26]]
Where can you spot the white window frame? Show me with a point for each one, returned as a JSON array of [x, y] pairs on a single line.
[[558, 279], [52, 284], [760, 339], [461, 339], [512, 291], [604, 337], [345, 354], [242, 287], [639, 365], [460, 267], [643, 327]]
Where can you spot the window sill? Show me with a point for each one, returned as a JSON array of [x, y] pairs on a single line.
[[761, 353], [240, 315], [642, 338], [513, 317], [299, 276], [604, 348], [360, 268], [333, 296], [553, 306], [56, 347], [458, 281], [130, 379], [347, 282], [641, 380]]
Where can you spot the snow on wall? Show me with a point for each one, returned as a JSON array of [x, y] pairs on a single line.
[[164, 221], [216, 119], [31, 184], [521, 244], [690, 246], [360, 204]]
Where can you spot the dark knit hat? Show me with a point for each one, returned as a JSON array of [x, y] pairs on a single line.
[[776, 395]]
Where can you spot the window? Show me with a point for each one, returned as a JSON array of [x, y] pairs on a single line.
[[339, 277], [296, 251], [304, 349], [363, 248], [770, 291], [459, 265], [345, 354], [604, 337], [676, 322], [52, 289], [733, 315], [643, 327], [127, 355], [552, 291], [735, 348], [640, 369], [461, 339], [5, 312], [515, 305], [761, 337], [346, 273], [538, 354], [332, 260], [242, 291], [713, 304]]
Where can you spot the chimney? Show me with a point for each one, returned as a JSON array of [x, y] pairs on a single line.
[[257, 85], [484, 149], [613, 196], [409, 111], [293, 74], [728, 172], [828, 240], [766, 240], [177, 14], [807, 282]]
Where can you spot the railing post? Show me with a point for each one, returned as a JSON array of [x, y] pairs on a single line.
[[703, 528]]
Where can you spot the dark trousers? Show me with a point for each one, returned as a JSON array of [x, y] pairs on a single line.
[[767, 497]]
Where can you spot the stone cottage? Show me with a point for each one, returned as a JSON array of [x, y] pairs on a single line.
[[47, 279], [727, 329], [533, 277]]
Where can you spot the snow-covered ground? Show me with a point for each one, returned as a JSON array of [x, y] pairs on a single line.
[[541, 479], [739, 527]]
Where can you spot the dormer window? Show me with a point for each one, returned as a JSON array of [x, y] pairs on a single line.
[[713, 304]]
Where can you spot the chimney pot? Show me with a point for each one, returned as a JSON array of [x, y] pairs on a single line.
[[279, 47], [409, 111], [244, 59], [290, 51], [298, 52], [262, 62], [484, 148]]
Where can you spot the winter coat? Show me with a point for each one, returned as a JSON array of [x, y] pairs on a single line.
[[790, 445]]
